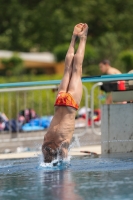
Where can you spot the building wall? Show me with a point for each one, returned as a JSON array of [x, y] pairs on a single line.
[[117, 128], [49, 68]]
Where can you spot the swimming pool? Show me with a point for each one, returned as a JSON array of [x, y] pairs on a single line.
[[86, 178]]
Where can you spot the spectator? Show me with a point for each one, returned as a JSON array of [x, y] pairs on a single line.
[[106, 68], [8, 125], [26, 115]]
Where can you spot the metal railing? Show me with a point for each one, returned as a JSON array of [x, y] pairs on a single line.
[[13, 100], [93, 79], [92, 107]]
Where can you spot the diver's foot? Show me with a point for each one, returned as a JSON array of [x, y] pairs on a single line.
[[78, 28], [84, 31]]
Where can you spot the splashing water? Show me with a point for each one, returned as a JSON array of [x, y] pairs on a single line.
[[56, 164]]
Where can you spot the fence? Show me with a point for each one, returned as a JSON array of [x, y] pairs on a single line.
[[37, 98], [92, 106], [41, 98], [16, 100]]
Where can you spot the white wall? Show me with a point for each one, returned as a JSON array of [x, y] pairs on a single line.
[[117, 124]]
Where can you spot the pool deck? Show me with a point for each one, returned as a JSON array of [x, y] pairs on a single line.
[[73, 152]]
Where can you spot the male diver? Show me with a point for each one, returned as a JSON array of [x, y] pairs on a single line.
[[59, 135]]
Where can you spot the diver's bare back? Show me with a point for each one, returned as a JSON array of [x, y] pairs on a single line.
[[61, 128]]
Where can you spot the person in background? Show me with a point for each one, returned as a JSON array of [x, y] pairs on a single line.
[[26, 115], [6, 124], [130, 72], [106, 68]]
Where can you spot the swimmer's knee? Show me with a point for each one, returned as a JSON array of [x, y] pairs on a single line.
[[69, 57]]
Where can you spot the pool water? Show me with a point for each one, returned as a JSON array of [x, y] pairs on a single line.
[[103, 178]]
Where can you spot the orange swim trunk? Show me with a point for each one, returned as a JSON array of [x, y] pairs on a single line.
[[66, 99]]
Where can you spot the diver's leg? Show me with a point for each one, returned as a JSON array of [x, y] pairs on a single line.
[[69, 60], [75, 86]]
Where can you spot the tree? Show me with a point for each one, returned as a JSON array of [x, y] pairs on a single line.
[[13, 65], [42, 25], [126, 58]]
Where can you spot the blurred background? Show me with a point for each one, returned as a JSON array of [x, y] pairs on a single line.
[[35, 35], [46, 26], [34, 38]]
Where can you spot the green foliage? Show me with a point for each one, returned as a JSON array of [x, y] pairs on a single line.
[[92, 70], [41, 101], [48, 26], [126, 58], [108, 47], [44, 24], [60, 51], [91, 55], [13, 65], [90, 58]]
